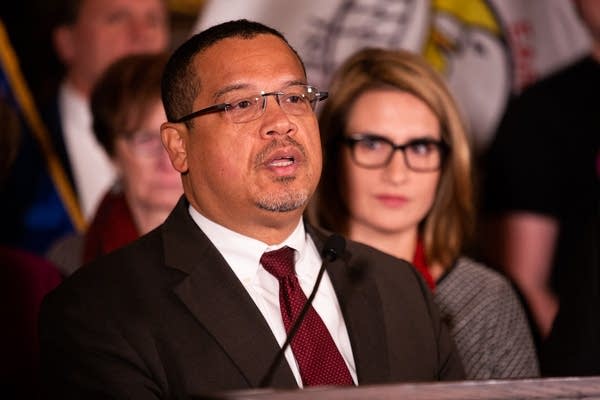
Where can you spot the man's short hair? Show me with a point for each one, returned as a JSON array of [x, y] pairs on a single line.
[[181, 84]]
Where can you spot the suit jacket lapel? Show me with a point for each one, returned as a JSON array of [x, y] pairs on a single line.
[[217, 299], [361, 306]]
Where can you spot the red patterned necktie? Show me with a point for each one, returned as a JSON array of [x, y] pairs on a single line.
[[318, 358]]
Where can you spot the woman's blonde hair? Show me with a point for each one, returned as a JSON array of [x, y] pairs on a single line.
[[450, 221]]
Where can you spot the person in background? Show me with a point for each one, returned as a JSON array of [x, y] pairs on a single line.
[[542, 207], [397, 176], [90, 37], [162, 316], [127, 113], [66, 179]]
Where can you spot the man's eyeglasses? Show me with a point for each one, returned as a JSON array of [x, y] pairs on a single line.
[[373, 151], [294, 100]]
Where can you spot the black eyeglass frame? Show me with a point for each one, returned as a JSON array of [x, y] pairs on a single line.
[[353, 140], [319, 96]]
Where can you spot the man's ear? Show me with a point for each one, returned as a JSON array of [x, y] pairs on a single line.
[[63, 40], [174, 139]]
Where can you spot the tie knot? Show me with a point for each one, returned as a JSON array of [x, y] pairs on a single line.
[[280, 263]]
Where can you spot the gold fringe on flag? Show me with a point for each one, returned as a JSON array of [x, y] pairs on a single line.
[[23, 96]]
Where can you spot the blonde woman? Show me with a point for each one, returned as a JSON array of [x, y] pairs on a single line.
[[397, 176]]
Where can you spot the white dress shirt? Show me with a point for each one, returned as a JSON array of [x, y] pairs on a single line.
[[243, 255], [93, 170]]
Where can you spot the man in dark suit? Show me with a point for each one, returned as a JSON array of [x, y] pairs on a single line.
[[190, 308]]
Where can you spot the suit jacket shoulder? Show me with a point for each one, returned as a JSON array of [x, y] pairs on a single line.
[[162, 317]]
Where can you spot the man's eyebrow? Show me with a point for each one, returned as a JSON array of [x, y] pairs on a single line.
[[230, 88], [239, 86], [295, 83]]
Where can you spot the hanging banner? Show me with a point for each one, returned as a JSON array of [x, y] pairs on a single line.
[[487, 50]]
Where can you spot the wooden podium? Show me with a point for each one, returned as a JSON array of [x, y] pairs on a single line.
[[547, 388]]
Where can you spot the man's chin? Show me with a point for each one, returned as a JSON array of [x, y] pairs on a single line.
[[283, 202], [281, 207]]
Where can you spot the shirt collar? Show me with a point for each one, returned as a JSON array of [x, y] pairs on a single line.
[[243, 253], [74, 104]]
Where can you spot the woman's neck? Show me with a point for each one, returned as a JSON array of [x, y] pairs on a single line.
[[399, 244], [146, 218]]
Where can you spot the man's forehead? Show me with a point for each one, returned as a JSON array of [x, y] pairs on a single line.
[[245, 61], [254, 44]]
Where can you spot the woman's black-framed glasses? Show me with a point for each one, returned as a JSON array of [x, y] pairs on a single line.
[[374, 151], [294, 100]]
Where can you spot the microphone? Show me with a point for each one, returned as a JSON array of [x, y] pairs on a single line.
[[333, 248]]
